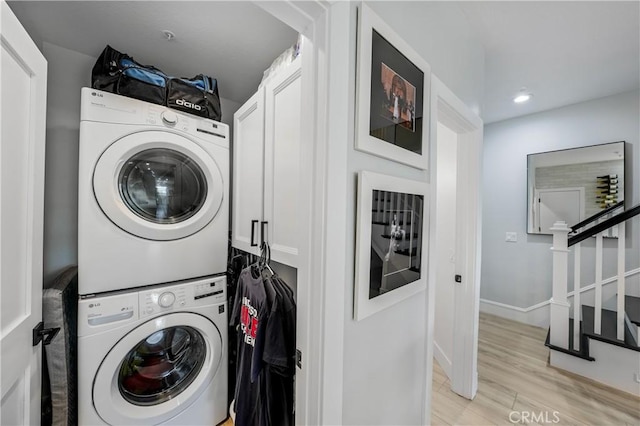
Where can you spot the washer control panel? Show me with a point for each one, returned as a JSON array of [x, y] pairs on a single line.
[[103, 312], [162, 300], [182, 296]]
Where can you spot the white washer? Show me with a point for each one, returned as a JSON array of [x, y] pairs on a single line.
[[153, 203], [154, 356]]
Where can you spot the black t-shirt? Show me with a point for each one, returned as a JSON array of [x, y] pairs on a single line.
[[250, 313], [265, 310], [279, 356]]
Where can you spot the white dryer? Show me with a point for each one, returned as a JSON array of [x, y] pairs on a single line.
[[154, 356], [153, 194]]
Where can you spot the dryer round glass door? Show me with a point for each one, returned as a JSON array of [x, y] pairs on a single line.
[[158, 185], [162, 185], [157, 370]]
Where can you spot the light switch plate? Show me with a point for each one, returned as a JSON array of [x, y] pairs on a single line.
[[511, 237]]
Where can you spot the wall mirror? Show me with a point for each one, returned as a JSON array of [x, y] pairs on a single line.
[[573, 184]]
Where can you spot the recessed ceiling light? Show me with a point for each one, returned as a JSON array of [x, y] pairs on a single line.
[[522, 96]]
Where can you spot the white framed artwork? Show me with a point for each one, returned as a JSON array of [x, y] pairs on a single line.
[[391, 241], [392, 99]]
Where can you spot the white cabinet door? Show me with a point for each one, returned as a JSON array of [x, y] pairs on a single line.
[[23, 91], [282, 163], [248, 172]]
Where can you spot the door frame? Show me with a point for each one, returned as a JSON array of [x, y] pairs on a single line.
[[319, 334], [448, 109]]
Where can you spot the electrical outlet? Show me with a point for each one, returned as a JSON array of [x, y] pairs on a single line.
[[511, 237], [636, 377]]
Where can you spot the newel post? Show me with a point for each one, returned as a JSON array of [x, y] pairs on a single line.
[[559, 321]]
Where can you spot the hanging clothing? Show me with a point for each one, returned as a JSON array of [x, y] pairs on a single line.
[[279, 356], [264, 311]]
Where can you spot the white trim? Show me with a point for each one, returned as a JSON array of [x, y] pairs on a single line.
[[532, 314], [447, 108], [443, 360], [320, 322]]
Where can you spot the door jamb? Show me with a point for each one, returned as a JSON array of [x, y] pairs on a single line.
[[318, 382], [447, 108]]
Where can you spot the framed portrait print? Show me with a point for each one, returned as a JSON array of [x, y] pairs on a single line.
[[393, 86], [391, 241]]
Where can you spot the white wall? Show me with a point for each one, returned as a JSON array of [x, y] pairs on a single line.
[[519, 274], [68, 72], [384, 354]]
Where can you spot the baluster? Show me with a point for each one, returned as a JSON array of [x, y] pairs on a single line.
[[376, 207], [558, 303], [387, 207], [621, 279], [597, 326], [577, 304], [407, 219]]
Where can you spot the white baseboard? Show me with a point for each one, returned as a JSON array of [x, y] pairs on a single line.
[[538, 314], [443, 360]]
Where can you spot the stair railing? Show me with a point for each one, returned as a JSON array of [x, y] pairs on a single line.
[[559, 304]]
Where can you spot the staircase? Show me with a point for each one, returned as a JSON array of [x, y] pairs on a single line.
[[600, 341]]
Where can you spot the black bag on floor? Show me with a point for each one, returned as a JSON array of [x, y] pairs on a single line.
[[119, 73]]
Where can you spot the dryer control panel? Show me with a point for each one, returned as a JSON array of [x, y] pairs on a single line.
[[106, 107]]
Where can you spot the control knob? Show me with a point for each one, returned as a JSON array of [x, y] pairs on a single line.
[[166, 299], [169, 117]]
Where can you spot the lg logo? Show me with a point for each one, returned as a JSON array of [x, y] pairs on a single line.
[[188, 104]]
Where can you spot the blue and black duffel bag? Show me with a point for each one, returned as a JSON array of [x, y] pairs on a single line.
[[119, 73]]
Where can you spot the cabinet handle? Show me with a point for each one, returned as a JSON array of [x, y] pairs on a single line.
[[262, 231], [253, 232]]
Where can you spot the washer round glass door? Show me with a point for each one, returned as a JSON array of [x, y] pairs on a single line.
[[158, 185], [157, 370]]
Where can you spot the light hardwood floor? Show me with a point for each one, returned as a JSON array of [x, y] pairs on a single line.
[[514, 377]]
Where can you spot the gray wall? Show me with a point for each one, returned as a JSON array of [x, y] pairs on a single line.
[[384, 354], [68, 72], [519, 274]]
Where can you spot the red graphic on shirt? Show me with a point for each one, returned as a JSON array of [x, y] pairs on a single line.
[[249, 321]]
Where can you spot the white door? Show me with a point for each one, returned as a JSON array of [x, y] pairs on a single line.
[[23, 94], [446, 190], [561, 204], [282, 163], [248, 167], [454, 285]]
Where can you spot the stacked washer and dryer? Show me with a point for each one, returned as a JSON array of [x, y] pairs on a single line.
[[152, 255]]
